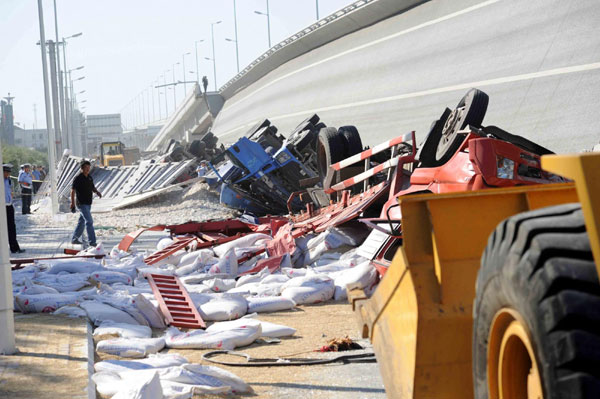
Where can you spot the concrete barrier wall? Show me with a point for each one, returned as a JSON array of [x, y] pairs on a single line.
[[538, 60]]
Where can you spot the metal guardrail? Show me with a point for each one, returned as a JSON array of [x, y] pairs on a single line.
[[297, 36]]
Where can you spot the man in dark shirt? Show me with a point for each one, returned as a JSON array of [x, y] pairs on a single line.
[[83, 188]]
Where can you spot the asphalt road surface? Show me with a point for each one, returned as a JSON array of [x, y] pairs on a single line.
[[538, 60]]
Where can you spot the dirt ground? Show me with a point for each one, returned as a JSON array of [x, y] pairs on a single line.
[[315, 325], [53, 364]]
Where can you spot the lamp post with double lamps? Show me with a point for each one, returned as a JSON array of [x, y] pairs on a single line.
[[268, 15], [212, 37]]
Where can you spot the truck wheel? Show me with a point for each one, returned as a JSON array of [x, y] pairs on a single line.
[[330, 149], [536, 322], [469, 111], [352, 142]]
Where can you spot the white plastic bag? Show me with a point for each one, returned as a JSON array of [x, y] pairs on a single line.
[[131, 347]]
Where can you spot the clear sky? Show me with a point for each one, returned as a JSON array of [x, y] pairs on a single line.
[[128, 44]]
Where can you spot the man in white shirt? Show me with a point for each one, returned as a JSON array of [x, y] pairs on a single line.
[[10, 211], [26, 183]]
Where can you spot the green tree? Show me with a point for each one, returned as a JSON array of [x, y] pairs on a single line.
[[20, 155]]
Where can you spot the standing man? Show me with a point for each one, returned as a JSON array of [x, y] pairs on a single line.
[[41, 172], [10, 211], [83, 187], [36, 179], [26, 182]]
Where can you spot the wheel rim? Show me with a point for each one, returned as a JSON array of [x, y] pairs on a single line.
[[512, 368], [449, 131]]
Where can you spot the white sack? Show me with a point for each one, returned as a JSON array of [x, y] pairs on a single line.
[[271, 330], [219, 285], [70, 311], [44, 303], [122, 330], [111, 277], [246, 241], [361, 276], [99, 312], [147, 387], [64, 282], [223, 307], [228, 340], [227, 265], [269, 304], [155, 361], [150, 312], [74, 266], [131, 347], [30, 288]]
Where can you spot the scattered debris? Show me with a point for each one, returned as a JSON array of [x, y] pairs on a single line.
[[340, 345]]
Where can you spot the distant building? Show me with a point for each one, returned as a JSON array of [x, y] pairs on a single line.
[[101, 128], [31, 138], [140, 137], [7, 126]]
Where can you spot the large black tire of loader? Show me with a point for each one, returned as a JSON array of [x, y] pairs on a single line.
[[330, 149], [352, 142], [538, 267], [473, 105]]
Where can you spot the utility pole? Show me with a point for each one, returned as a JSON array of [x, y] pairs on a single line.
[[214, 59], [158, 95], [63, 119], [56, 108], [237, 53], [35, 116]]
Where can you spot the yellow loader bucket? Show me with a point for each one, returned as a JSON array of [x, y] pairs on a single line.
[[420, 317]]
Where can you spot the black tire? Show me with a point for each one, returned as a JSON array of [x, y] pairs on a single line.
[[304, 139], [540, 265], [352, 142], [469, 111], [197, 148], [330, 149]]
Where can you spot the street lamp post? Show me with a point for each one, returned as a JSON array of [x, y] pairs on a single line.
[[196, 48], [212, 36], [268, 15], [166, 99], [174, 89], [237, 55], [158, 95], [184, 78], [153, 108], [317, 8], [67, 114]]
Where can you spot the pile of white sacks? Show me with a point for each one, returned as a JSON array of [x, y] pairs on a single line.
[[117, 299]]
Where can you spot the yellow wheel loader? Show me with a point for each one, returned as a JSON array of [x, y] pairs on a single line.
[[494, 293]]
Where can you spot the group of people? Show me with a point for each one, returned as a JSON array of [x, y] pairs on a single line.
[[82, 191]]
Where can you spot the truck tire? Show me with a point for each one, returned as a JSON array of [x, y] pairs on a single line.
[[537, 309], [330, 149], [352, 142], [469, 111]]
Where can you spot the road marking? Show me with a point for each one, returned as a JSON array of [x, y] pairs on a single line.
[[363, 46], [422, 93]]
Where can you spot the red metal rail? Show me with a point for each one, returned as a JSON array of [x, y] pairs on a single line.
[[169, 250], [175, 303]]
